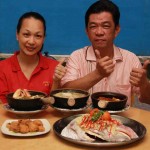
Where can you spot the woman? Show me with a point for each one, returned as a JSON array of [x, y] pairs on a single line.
[[27, 68]]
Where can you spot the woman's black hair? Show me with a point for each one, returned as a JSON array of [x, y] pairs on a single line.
[[34, 15]]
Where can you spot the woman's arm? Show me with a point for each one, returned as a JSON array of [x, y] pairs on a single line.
[[60, 71]]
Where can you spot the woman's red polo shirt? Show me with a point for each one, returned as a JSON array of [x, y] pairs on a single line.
[[12, 78]]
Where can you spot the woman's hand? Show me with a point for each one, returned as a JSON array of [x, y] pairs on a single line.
[[60, 71]]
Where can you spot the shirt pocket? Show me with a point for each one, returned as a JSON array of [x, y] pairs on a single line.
[[126, 90]]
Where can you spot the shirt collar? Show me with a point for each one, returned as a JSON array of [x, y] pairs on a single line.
[[14, 62], [117, 54], [16, 67], [42, 62], [90, 55]]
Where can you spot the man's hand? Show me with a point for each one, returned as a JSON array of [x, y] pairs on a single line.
[[104, 65], [138, 77]]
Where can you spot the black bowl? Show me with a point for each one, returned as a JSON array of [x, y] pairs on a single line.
[[26, 104], [109, 105], [69, 102]]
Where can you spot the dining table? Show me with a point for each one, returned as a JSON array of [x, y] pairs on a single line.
[[51, 141]]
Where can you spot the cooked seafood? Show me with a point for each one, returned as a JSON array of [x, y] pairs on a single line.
[[98, 124], [25, 126], [109, 99], [24, 94], [69, 95]]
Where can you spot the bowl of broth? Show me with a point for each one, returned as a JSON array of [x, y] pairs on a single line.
[[34, 102], [109, 100], [69, 98]]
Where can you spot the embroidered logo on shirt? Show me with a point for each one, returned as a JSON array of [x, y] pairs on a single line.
[[46, 83]]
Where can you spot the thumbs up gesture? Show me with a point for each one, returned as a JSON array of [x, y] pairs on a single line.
[[60, 70], [104, 65], [138, 77]]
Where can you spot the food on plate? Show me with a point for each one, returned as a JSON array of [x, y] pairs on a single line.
[[26, 126], [98, 124], [24, 94], [69, 95], [109, 99]]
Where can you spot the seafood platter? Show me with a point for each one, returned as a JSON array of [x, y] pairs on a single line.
[[99, 128]]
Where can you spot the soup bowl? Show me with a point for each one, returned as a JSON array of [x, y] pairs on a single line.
[[109, 100], [69, 98], [26, 104]]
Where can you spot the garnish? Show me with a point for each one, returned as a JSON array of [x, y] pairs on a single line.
[[97, 115]]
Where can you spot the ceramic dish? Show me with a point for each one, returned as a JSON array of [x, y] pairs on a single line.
[[109, 100], [23, 113], [26, 104], [69, 98], [115, 111], [119, 111], [70, 110], [136, 126], [6, 131]]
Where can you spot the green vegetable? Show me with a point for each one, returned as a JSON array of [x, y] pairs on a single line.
[[96, 115]]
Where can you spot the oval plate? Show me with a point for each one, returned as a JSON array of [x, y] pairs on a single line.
[[24, 114], [64, 110], [115, 111], [136, 126], [6, 131], [119, 111]]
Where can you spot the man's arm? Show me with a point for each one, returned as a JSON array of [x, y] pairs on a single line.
[[86, 82], [104, 67]]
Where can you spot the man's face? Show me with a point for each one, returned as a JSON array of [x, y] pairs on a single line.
[[101, 30]]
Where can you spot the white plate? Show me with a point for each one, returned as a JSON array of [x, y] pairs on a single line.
[[9, 109], [119, 111], [116, 111], [6, 131], [70, 110]]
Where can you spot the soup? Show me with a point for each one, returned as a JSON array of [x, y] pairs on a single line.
[[69, 95], [109, 99]]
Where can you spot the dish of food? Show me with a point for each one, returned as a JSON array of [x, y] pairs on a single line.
[[109, 100], [69, 98], [9, 109], [24, 126], [25, 94], [137, 132], [5, 129], [69, 95], [24, 102]]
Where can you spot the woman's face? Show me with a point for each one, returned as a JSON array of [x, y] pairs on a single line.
[[31, 36], [101, 30]]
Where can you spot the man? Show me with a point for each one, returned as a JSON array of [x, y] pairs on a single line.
[[103, 66]]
